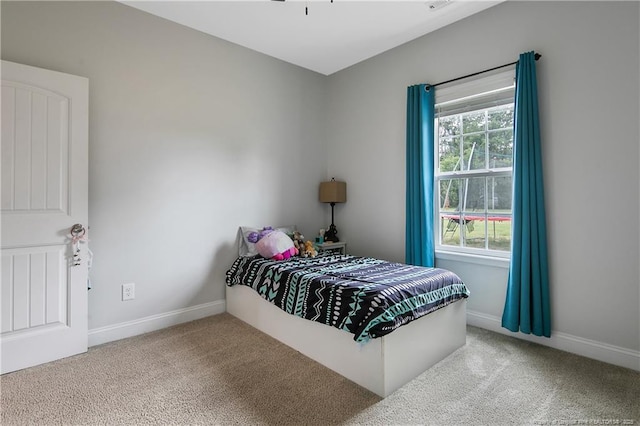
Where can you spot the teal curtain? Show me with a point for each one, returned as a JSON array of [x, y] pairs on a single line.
[[527, 306], [419, 238]]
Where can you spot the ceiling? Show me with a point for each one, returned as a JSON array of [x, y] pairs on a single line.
[[319, 35]]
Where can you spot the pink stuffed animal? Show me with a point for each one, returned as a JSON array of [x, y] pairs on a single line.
[[273, 244]]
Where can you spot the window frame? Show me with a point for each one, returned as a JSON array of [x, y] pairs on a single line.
[[469, 92]]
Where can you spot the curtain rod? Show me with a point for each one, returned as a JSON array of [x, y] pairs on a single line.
[[429, 86]]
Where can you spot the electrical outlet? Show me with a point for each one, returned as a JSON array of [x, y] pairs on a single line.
[[128, 291]]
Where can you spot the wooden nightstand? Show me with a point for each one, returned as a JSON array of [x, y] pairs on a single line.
[[340, 247]]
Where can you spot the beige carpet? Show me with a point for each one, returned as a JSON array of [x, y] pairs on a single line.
[[219, 370]]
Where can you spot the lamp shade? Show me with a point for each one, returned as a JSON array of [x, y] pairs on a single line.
[[333, 192]]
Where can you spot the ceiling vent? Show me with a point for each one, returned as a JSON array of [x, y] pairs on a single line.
[[437, 4]]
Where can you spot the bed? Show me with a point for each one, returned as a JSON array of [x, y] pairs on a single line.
[[379, 324]]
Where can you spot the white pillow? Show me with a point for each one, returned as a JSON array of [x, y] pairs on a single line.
[[246, 248], [289, 230]]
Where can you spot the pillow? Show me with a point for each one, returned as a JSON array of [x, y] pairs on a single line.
[[289, 230], [248, 249], [245, 247]]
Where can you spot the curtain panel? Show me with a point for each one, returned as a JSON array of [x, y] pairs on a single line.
[[527, 306], [419, 238]]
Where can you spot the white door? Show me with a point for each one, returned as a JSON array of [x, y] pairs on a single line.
[[43, 178]]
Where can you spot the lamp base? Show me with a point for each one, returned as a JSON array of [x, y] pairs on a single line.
[[331, 234]]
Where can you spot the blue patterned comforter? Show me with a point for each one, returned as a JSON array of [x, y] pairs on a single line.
[[364, 296]]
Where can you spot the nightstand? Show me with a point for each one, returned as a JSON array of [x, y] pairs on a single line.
[[340, 247]]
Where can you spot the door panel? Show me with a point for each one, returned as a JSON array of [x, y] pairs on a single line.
[[35, 287], [34, 159], [44, 193]]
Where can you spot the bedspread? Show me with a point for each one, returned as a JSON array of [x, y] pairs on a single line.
[[364, 296]]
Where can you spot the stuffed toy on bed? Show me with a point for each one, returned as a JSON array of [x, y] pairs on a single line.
[[309, 250], [298, 241], [272, 244]]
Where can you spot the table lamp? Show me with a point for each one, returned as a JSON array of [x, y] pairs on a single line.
[[333, 192]]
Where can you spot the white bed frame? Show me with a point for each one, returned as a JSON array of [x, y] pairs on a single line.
[[381, 365]]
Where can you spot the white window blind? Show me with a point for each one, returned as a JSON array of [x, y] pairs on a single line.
[[485, 92]]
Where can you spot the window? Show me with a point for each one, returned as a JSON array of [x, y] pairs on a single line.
[[474, 143]]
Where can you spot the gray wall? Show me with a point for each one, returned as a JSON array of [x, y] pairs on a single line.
[[190, 137], [589, 94]]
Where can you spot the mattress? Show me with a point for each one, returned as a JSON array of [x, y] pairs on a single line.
[[361, 295]]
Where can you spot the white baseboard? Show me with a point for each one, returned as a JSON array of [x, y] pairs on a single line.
[[98, 336], [565, 342]]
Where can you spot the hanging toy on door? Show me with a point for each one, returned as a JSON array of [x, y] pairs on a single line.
[[78, 235]]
